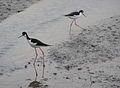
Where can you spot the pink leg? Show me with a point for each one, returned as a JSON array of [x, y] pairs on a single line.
[[34, 64], [43, 63], [78, 25], [71, 26]]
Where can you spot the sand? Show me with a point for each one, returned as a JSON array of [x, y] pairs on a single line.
[[10, 7], [87, 59]]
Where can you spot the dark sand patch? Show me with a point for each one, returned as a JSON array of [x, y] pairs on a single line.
[[9, 7]]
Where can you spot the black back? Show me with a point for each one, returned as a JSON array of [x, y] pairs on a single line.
[[73, 13], [39, 43]]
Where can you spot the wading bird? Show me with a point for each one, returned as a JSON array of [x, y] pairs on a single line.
[[35, 43], [74, 16]]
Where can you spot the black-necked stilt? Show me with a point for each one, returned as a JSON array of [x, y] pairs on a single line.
[[35, 44], [74, 16]]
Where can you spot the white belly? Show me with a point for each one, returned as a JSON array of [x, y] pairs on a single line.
[[33, 44]]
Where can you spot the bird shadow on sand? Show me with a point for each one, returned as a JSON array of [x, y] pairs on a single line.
[[37, 84]]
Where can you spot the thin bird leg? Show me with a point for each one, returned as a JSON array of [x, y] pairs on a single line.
[[78, 25], [34, 64], [43, 63], [70, 27]]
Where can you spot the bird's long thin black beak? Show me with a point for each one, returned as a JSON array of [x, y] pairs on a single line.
[[20, 36], [83, 14]]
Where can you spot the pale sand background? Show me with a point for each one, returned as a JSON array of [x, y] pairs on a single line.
[[95, 52]]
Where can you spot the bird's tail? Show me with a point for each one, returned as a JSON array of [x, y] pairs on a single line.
[[47, 45], [65, 15]]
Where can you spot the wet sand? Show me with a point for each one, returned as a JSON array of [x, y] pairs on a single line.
[[89, 59]]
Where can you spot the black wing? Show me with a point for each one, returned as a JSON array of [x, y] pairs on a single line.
[[72, 14], [39, 43]]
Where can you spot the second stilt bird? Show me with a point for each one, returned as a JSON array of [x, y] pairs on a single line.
[[74, 16]]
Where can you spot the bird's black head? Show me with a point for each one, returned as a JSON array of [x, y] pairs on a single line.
[[81, 11], [24, 33]]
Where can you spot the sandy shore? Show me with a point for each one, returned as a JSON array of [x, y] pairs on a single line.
[[87, 59], [92, 58], [9, 7]]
